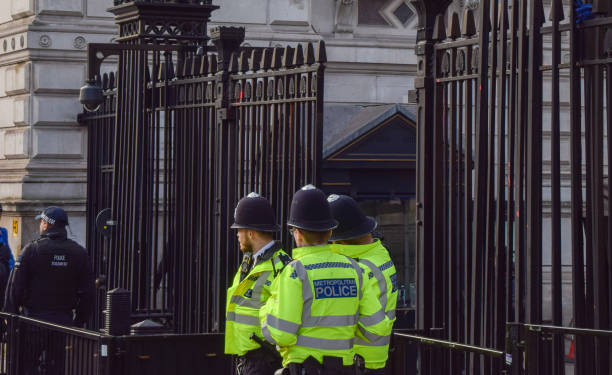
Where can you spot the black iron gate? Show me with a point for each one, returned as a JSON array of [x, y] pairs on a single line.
[[500, 95], [184, 130]]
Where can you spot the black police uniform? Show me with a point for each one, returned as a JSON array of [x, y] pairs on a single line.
[[51, 277]]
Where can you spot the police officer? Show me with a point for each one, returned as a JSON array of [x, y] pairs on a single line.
[[353, 238], [52, 276], [314, 309], [263, 260]]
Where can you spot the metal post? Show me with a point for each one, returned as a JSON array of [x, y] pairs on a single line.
[[227, 40]]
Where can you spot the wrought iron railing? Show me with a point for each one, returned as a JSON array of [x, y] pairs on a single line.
[[30, 346], [182, 134], [427, 354], [500, 95]]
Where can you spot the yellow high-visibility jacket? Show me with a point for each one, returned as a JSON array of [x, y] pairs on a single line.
[[316, 305], [381, 279], [246, 297]]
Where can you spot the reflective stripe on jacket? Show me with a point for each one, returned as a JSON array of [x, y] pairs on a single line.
[[246, 297], [315, 306], [381, 279]]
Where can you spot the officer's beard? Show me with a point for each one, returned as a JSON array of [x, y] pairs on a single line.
[[247, 246]]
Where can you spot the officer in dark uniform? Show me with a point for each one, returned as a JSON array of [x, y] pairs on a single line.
[[52, 279]]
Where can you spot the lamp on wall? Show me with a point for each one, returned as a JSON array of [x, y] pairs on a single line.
[[91, 96]]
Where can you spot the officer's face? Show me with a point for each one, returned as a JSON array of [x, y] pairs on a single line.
[[43, 225], [246, 245]]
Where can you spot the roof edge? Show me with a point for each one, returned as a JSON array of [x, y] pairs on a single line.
[[393, 110]]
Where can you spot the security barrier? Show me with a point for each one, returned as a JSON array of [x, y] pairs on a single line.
[[509, 228], [31, 346]]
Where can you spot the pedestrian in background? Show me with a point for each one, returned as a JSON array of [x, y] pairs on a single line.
[[353, 238], [6, 258], [263, 260]]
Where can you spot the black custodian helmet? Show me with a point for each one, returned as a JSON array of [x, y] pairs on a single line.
[[255, 212], [352, 221], [310, 211]]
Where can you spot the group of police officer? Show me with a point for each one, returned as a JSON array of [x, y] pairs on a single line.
[[328, 309]]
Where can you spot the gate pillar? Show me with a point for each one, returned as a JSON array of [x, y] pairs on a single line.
[[423, 96], [227, 40]]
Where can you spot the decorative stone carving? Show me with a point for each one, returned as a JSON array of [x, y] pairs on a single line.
[[45, 41], [79, 42], [346, 16]]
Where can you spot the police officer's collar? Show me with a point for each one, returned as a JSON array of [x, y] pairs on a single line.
[[300, 252], [268, 251], [56, 232], [355, 251]]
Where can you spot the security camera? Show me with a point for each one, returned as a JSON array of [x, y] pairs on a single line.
[[91, 96]]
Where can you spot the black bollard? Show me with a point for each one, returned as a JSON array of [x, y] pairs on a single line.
[[117, 313]]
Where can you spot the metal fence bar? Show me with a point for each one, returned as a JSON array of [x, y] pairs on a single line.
[[451, 345], [500, 297], [557, 317]]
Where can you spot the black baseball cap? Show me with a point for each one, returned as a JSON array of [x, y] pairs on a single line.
[[54, 216]]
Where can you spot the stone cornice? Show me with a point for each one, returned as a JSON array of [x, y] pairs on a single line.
[[81, 28], [271, 37], [14, 27], [33, 205], [407, 43], [369, 68]]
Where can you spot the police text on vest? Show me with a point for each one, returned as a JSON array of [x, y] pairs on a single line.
[[59, 261], [335, 288]]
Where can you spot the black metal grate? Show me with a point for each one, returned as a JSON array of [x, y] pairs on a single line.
[[180, 138], [484, 179]]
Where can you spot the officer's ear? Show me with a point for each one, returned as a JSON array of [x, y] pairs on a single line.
[[296, 233]]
